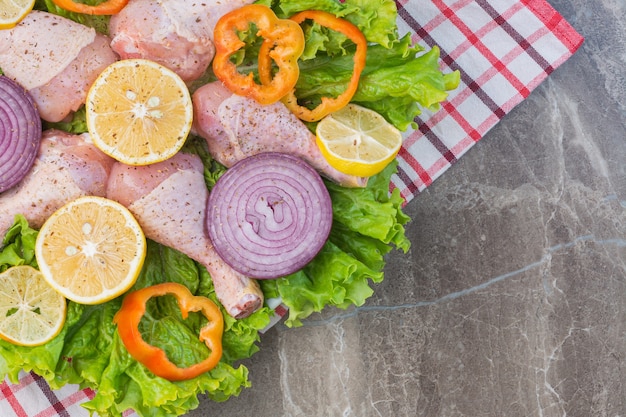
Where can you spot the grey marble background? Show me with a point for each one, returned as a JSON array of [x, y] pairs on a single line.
[[512, 300]]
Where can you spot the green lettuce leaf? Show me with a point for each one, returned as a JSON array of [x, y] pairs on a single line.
[[368, 223], [18, 245], [372, 211], [397, 82], [99, 22], [75, 123], [375, 18]]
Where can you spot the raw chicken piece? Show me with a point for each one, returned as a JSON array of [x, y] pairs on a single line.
[[68, 166], [236, 127], [175, 33], [55, 59], [67, 91], [169, 200]]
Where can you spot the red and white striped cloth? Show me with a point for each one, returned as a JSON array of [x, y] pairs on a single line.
[[503, 49]]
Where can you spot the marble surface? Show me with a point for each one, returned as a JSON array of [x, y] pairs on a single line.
[[512, 300]]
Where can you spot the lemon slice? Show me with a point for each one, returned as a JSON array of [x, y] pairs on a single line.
[[13, 11], [31, 311], [139, 112], [358, 141], [91, 250]]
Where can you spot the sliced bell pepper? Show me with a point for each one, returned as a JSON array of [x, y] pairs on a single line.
[[134, 307], [283, 40], [108, 7], [328, 104]]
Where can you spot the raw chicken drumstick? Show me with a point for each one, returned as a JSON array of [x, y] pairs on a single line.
[[236, 127], [68, 166], [169, 201]]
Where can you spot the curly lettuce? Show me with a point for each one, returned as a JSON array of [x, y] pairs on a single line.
[[89, 352]]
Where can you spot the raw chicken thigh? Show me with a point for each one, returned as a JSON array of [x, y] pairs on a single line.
[[236, 127], [175, 33], [55, 59], [169, 200], [68, 166]]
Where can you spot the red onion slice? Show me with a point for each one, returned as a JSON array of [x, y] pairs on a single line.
[[269, 215], [20, 133]]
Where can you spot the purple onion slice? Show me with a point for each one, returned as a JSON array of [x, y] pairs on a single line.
[[269, 215], [20, 133]]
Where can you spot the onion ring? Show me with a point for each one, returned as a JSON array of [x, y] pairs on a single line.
[[269, 215], [20, 133]]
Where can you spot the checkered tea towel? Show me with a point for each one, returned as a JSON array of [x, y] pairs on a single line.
[[503, 50]]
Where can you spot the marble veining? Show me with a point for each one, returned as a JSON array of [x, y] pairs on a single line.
[[512, 299]]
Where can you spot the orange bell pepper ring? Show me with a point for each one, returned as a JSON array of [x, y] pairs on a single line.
[[328, 104], [108, 7], [284, 43], [134, 307]]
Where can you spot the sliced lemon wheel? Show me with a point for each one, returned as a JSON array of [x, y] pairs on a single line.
[[358, 141], [13, 11], [91, 250], [31, 311], [139, 112]]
